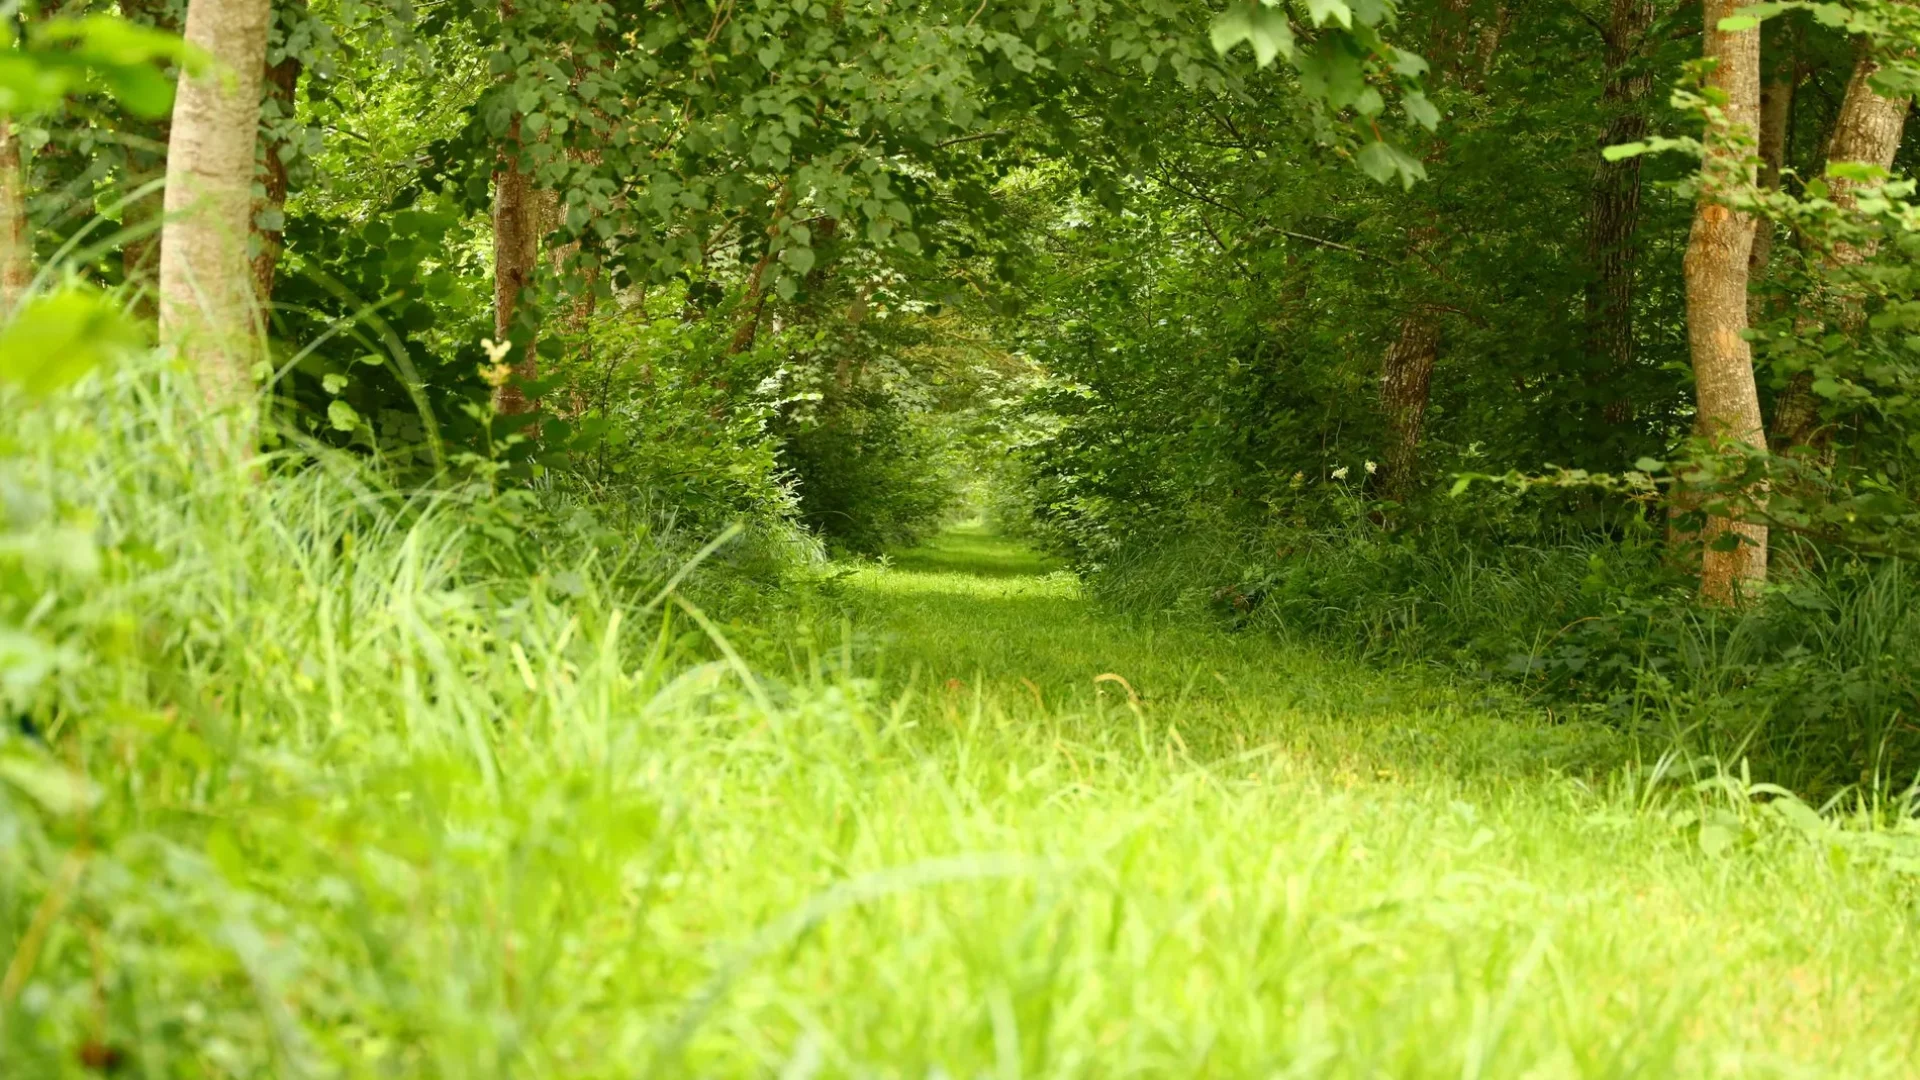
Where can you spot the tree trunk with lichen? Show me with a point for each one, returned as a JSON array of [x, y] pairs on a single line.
[[1734, 556]]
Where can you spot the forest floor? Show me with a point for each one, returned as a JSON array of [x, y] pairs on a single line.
[[1215, 855]]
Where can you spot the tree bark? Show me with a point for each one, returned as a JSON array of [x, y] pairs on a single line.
[[1613, 214], [1867, 131], [516, 251], [1406, 383], [207, 308], [517, 227], [1776, 109], [16, 238], [1406, 371], [1718, 250], [281, 80]]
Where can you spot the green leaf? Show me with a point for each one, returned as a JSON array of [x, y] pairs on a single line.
[[1734, 24], [1271, 35], [1650, 465], [1230, 28], [1864, 172], [1321, 12], [1376, 160], [333, 382], [1383, 161], [1623, 151], [58, 337], [342, 416], [1420, 110], [799, 259]]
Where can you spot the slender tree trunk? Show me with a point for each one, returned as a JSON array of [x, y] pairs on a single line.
[[516, 255], [516, 250], [269, 226], [1721, 243], [1465, 54], [1867, 131], [146, 162], [16, 238], [207, 306], [1406, 383], [1613, 213], [1776, 108]]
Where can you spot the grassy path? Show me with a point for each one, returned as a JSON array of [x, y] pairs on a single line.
[[1270, 864]]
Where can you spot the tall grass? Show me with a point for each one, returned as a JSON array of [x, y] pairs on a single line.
[[1818, 684], [330, 784]]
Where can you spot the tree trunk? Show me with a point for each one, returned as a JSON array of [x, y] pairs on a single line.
[[16, 238], [146, 162], [1776, 108], [269, 226], [1718, 249], [1613, 214], [206, 290], [1867, 131], [1406, 382], [1406, 371], [516, 251]]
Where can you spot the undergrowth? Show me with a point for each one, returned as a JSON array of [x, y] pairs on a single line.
[[1817, 684]]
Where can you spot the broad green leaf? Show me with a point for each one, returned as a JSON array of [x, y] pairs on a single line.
[[1420, 110], [1230, 28], [1376, 161], [333, 382], [342, 416], [1864, 172], [1271, 35], [1623, 151], [1383, 161], [1734, 24], [1322, 12]]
